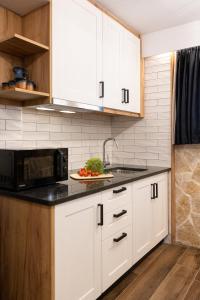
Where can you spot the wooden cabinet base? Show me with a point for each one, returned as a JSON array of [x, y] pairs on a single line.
[[118, 112], [26, 250]]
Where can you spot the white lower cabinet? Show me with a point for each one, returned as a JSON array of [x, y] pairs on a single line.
[[116, 256], [99, 237], [142, 218], [150, 214], [160, 209], [116, 234], [77, 250]]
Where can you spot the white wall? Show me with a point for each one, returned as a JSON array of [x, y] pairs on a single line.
[[171, 39]]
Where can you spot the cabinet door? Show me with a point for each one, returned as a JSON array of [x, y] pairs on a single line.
[[116, 255], [77, 250], [111, 63], [160, 209], [130, 70], [76, 51], [142, 219]]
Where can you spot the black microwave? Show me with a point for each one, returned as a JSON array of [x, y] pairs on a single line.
[[23, 169]]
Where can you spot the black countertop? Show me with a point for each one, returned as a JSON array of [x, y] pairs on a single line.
[[72, 189]]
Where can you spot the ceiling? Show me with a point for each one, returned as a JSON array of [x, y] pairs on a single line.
[[151, 15], [22, 7]]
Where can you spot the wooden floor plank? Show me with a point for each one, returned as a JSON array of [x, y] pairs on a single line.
[[145, 284], [194, 291], [169, 272], [191, 258], [117, 289], [149, 259], [198, 276], [176, 284]]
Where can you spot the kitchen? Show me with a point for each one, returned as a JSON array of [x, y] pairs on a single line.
[[99, 155]]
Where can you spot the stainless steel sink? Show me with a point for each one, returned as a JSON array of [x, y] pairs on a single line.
[[125, 170]]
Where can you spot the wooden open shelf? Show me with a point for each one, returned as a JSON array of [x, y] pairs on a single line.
[[20, 46], [22, 95]]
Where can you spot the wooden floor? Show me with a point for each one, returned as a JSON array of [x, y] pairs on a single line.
[[169, 272]]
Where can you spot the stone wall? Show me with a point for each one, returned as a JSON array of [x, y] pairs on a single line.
[[187, 174]]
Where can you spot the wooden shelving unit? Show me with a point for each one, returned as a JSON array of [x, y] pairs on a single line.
[[25, 42], [22, 95], [21, 46]]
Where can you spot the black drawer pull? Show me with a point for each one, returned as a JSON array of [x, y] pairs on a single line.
[[101, 214], [123, 95], [123, 212], [120, 238], [120, 190], [153, 191], [156, 186], [127, 96], [101, 89]]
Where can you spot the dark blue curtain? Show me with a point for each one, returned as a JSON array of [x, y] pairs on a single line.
[[187, 96]]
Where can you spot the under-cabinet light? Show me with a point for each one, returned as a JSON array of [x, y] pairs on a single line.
[[44, 108], [67, 112]]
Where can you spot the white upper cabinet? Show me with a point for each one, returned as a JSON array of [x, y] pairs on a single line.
[[76, 51], [111, 63], [121, 67], [130, 71], [95, 60]]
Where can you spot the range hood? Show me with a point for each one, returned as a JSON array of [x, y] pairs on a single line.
[[71, 106]]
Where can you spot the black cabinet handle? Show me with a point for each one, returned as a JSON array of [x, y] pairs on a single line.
[[156, 190], [120, 238], [123, 95], [101, 214], [120, 190], [101, 86], [153, 191], [123, 212], [127, 96]]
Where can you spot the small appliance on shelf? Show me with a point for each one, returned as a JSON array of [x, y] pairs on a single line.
[[21, 80]]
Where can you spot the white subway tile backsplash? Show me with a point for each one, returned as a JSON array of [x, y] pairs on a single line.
[[13, 125], [59, 136], [37, 136], [40, 118], [2, 124], [43, 127], [165, 74], [10, 114], [157, 82], [29, 117], [26, 126], [146, 155]]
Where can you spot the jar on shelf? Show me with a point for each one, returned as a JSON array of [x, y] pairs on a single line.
[[30, 85], [11, 84], [5, 86], [21, 83]]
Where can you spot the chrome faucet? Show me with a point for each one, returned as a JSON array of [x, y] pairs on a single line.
[[106, 162]]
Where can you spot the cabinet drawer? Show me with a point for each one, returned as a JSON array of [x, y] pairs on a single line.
[[116, 253], [116, 197], [116, 219]]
